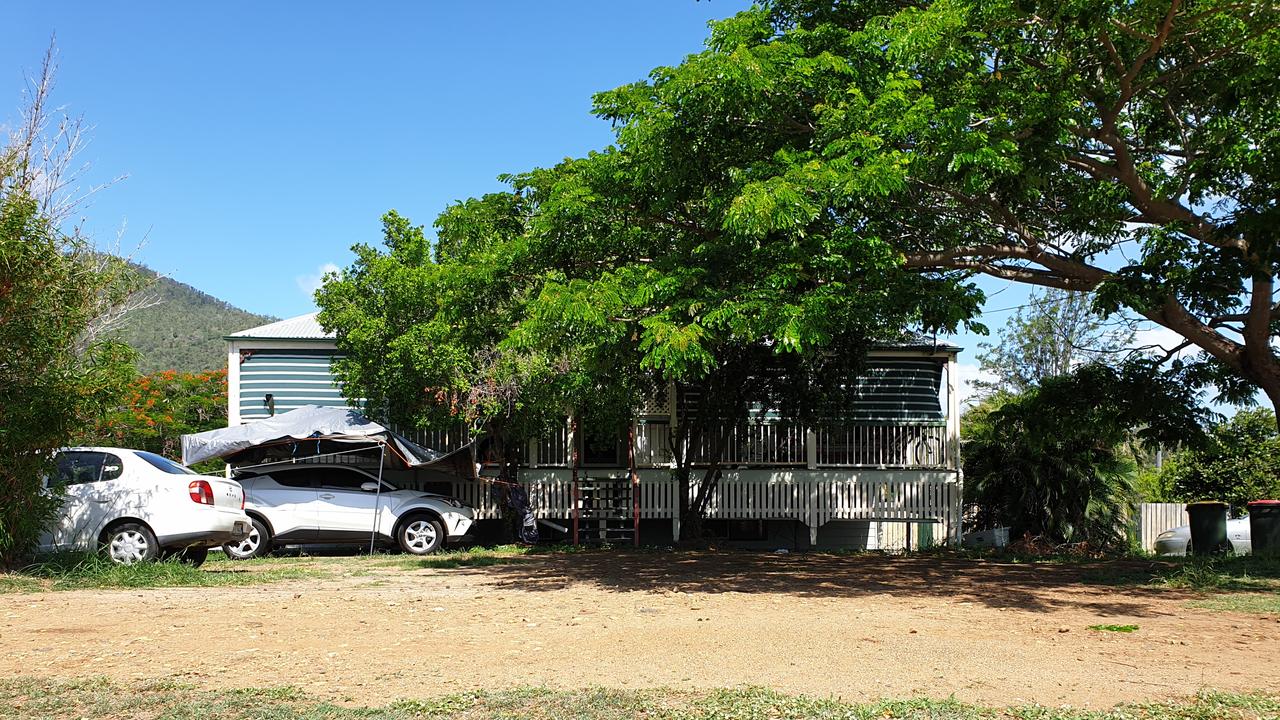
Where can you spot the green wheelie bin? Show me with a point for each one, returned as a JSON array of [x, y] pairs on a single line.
[[1264, 527], [1208, 528]]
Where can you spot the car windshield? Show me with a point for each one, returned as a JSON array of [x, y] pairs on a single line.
[[164, 464]]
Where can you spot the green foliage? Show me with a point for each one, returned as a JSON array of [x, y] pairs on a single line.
[[160, 408], [1115, 628], [700, 249], [80, 571], [179, 327], [1239, 463], [1116, 147], [1049, 462], [55, 373], [1242, 573]]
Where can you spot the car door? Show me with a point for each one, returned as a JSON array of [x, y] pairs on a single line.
[[287, 497], [346, 511], [82, 475]]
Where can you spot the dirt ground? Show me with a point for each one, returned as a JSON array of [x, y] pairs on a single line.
[[857, 627]]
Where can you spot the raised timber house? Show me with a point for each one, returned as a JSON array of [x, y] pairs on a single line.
[[886, 475]]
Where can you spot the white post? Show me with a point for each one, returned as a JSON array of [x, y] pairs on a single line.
[[377, 500], [233, 384], [953, 438], [533, 452], [811, 448], [953, 413]]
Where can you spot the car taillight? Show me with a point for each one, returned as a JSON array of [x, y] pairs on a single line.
[[242, 499], [201, 492]]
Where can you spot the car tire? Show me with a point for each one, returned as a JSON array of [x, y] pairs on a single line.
[[129, 543], [420, 535], [256, 545]]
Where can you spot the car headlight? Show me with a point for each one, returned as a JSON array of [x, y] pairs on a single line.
[[1167, 535], [452, 502]]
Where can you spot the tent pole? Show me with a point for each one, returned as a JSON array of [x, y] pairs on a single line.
[[377, 501]]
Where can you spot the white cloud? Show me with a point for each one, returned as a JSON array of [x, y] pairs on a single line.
[[308, 284]]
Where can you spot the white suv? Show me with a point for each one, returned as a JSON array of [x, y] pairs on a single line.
[[138, 506], [340, 504]]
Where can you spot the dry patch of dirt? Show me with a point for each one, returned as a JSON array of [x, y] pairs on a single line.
[[857, 627]]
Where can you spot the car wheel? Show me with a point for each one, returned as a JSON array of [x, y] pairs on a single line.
[[257, 544], [128, 543], [420, 535]]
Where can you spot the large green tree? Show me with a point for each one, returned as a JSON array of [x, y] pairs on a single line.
[[55, 374], [825, 174], [1127, 148]]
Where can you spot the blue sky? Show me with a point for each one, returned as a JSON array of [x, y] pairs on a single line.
[[259, 143]]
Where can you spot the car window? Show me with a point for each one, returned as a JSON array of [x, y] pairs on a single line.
[[77, 467], [292, 478], [112, 468], [340, 479], [164, 464]]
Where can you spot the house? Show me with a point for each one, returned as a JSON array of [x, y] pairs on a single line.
[[886, 475], [279, 367]]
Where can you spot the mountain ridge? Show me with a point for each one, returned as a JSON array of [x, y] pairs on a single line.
[[184, 329]]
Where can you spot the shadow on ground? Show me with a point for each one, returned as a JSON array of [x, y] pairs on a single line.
[[1116, 587]]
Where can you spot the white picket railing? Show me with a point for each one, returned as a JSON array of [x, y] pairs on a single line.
[[780, 443], [784, 444], [882, 446], [813, 501]]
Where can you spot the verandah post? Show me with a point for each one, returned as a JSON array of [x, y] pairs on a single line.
[[573, 471], [634, 477]]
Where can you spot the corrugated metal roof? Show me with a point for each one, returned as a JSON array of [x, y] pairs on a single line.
[[303, 327], [920, 341]]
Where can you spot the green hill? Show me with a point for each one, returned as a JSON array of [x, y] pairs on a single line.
[[185, 329]]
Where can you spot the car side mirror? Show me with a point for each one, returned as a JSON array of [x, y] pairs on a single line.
[[369, 487]]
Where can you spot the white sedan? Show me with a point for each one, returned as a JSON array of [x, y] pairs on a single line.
[[1178, 540], [136, 505], [300, 504]]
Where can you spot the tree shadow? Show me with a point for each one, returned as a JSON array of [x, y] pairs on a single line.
[[1114, 587]]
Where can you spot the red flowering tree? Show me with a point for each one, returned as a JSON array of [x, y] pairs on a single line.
[[160, 408]]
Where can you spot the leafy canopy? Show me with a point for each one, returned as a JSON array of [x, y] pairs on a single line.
[[158, 409], [1049, 462], [1119, 147], [1239, 463]]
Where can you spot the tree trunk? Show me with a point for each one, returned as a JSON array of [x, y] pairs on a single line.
[[692, 517]]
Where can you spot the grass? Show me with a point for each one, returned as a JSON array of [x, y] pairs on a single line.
[[1253, 603], [486, 556], [97, 698], [1115, 628], [1244, 573], [1234, 583], [86, 571]]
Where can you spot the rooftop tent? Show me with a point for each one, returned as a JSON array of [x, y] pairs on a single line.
[[309, 431]]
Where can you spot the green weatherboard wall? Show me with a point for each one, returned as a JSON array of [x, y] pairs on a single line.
[[293, 377]]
